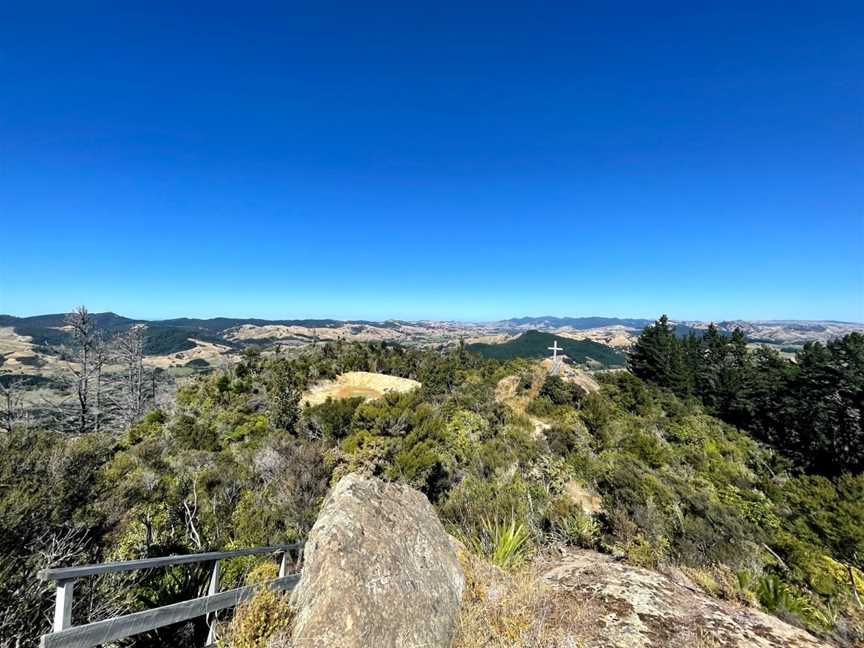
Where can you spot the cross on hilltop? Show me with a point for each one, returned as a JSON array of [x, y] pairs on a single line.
[[555, 349]]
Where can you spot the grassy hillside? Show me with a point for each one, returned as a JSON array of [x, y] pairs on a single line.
[[159, 340], [159, 337], [535, 344]]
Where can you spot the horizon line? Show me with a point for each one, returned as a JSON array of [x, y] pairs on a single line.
[[446, 320]]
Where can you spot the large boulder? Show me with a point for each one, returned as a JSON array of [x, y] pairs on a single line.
[[378, 571], [635, 607]]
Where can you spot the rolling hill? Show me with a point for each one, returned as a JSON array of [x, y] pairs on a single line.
[[160, 337], [26, 340], [535, 344]]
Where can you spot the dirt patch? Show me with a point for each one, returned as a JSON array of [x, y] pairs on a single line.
[[507, 392], [358, 383], [583, 496], [506, 388]]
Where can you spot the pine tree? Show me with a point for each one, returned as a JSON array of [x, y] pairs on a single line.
[[828, 404], [659, 357], [284, 396]]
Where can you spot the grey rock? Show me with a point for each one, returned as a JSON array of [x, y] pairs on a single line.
[[637, 608], [379, 571]]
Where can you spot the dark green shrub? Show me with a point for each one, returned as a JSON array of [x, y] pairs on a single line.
[[191, 434], [560, 392], [331, 420]]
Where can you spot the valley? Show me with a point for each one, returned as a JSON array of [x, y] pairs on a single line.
[[30, 346]]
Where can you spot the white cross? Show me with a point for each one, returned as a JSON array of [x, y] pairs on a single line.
[[555, 349]]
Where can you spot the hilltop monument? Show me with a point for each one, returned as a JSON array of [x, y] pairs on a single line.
[[556, 361]]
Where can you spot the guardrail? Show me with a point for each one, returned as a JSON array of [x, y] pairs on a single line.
[[66, 635]]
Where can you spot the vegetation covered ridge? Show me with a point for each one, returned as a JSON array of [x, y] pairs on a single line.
[[653, 468], [536, 344]]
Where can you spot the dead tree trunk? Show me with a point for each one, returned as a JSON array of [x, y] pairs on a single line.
[[80, 361], [12, 410], [128, 350]]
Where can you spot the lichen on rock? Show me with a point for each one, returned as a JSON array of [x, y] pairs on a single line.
[[646, 608], [379, 570]]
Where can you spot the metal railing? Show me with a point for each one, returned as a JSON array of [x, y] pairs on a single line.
[[66, 635]]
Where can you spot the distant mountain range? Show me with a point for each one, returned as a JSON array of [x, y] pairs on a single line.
[[575, 323], [162, 336]]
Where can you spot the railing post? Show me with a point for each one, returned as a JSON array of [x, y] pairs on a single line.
[[212, 589], [95, 633], [283, 566], [63, 605]]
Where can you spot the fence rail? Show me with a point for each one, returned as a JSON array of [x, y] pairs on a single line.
[[66, 635]]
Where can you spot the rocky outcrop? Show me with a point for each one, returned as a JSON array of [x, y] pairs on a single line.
[[637, 607], [379, 571]]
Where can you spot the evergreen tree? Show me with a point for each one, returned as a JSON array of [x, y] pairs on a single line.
[[711, 356], [769, 395], [732, 375], [659, 357], [828, 398], [691, 345], [284, 396], [810, 409]]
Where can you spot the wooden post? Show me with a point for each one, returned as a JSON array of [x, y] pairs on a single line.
[[283, 566], [212, 589], [63, 605]]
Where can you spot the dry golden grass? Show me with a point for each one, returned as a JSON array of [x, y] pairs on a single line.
[[616, 337], [257, 622], [507, 389], [358, 383], [364, 333], [21, 357], [516, 610], [214, 354]]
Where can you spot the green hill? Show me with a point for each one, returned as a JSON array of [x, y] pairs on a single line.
[[535, 344]]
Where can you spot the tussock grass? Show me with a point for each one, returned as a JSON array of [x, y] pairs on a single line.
[[515, 609], [506, 545]]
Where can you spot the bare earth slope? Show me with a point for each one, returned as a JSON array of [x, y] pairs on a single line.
[[358, 383]]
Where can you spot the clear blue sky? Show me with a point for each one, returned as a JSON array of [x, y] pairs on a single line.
[[441, 160]]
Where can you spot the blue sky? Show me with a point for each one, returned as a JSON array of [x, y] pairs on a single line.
[[433, 160]]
